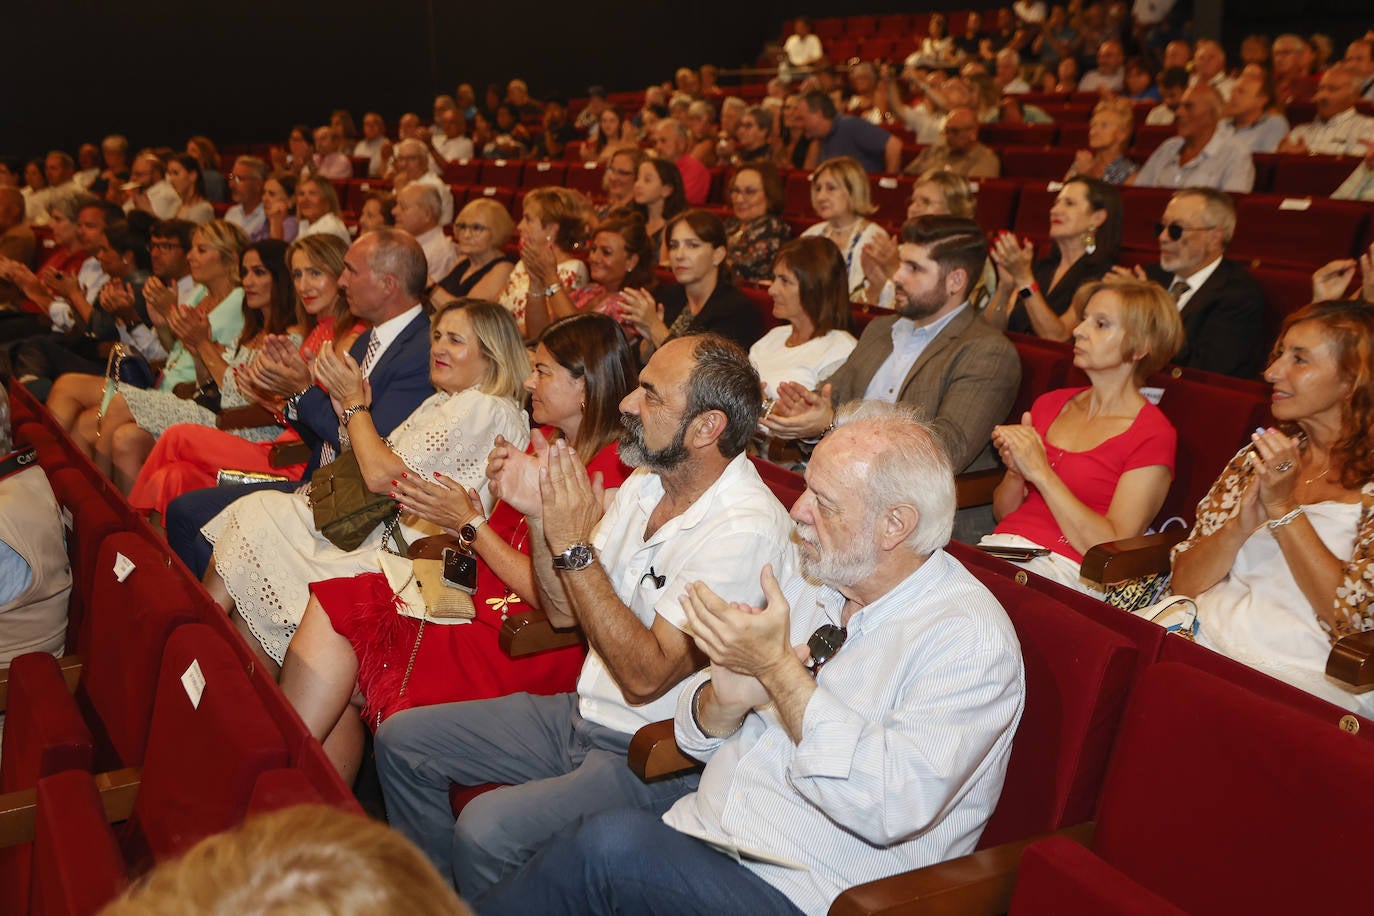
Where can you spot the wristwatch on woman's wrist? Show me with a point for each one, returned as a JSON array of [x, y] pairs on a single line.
[[468, 532]]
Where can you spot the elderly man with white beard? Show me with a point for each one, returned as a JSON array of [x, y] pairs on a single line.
[[856, 726]]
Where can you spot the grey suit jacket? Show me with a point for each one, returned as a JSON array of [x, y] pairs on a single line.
[[962, 384]]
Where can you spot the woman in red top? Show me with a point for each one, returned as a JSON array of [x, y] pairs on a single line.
[[1088, 465], [188, 456], [353, 649]]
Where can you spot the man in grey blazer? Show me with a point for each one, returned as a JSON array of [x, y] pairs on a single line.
[[935, 354]]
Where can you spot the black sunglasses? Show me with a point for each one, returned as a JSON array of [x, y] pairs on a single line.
[[824, 643], [1176, 231]]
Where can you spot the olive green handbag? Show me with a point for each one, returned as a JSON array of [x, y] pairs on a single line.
[[346, 512]]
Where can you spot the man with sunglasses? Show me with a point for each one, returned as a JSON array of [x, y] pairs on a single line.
[[877, 745], [1221, 305], [695, 509]]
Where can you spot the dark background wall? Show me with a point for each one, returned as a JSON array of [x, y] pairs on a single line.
[[245, 70]]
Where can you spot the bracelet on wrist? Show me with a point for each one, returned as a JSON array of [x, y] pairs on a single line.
[[350, 412], [1277, 523]]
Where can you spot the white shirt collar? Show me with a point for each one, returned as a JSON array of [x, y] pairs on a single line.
[[1196, 280], [389, 330]]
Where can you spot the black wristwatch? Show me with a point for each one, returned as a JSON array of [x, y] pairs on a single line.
[[578, 556], [468, 532]]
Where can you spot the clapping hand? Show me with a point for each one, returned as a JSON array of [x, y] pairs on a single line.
[[1331, 280], [880, 260], [641, 311], [1013, 259], [443, 501], [798, 412], [573, 503], [1277, 457], [541, 261], [159, 298], [190, 325], [341, 376], [514, 474], [1022, 450]]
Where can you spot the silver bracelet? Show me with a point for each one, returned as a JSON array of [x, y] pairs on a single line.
[[1275, 524]]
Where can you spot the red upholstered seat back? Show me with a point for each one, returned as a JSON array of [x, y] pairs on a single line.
[[786, 485], [130, 622], [77, 868], [1044, 366], [44, 731], [203, 760], [1078, 674], [1222, 801], [93, 519]]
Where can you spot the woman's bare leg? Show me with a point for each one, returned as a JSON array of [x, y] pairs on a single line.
[[216, 587], [71, 394], [84, 431], [129, 448], [318, 677], [268, 663]]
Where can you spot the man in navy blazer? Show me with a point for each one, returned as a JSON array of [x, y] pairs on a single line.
[[1222, 306], [384, 277]]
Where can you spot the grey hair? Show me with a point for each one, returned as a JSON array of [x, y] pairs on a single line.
[[397, 254], [1218, 205], [722, 378], [6, 437], [912, 469], [429, 197]]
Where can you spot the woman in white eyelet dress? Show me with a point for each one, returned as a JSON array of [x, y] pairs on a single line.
[[267, 550]]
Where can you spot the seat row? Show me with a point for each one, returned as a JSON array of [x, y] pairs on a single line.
[[155, 729]]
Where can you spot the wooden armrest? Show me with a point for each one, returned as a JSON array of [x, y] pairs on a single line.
[[530, 632], [654, 753], [1351, 661], [245, 417], [978, 883], [285, 454], [1130, 558], [117, 788], [70, 665], [975, 488]]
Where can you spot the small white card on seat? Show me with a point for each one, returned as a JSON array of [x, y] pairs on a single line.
[[1295, 203], [194, 682], [122, 567]]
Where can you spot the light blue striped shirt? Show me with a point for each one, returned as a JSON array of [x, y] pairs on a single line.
[[904, 743]]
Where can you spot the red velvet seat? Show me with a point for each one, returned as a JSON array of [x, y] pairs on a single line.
[[1216, 801], [891, 195], [93, 519], [503, 173], [543, 174], [462, 171], [996, 204], [585, 177], [1044, 367], [1285, 291], [1302, 231], [77, 867], [797, 195], [1018, 134]]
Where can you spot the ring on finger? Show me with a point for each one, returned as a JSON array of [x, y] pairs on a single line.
[[1284, 466]]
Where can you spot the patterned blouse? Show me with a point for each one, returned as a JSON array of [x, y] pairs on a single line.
[[753, 245], [1354, 602]]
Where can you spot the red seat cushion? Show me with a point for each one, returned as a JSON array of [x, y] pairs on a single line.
[[77, 868], [1058, 877]]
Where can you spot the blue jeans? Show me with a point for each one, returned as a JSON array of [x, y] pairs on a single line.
[[556, 766], [631, 862]]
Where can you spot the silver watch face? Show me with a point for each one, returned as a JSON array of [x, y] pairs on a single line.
[[578, 556]]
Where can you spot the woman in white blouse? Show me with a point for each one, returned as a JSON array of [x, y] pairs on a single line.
[[810, 295], [267, 550], [317, 208], [841, 198]]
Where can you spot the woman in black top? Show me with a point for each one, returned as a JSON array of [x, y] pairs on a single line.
[[480, 232], [703, 299], [1034, 296]]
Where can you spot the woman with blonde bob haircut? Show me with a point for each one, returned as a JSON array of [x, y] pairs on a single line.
[[309, 859], [1088, 465], [841, 197], [480, 232]]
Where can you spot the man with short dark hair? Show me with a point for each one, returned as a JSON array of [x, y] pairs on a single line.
[[845, 135], [1337, 130], [152, 193], [935, 354], [384, 278], [695, 510], [1221, 305], [828, 713]]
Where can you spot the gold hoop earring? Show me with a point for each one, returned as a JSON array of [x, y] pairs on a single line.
[[1090, 241]]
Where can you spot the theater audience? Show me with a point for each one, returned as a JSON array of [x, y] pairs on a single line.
[[658, 197], [1338, 130], [183, 174], [266, 547], [1199, 156], [417, 211], [1109, 136], [702, 131], [618, 181], [1292, 80], [1222, 306], [554, 222], [1209, 66], [911, 356], [840, 196], [1250, 115], [1173, 82], [620, 255], [1033, 294], [673, 144], [754, 134], [318, 210], [245, 187], [612, 135], [379, 209], [374, 146], [1110, 75], [411, 162], [755, 229], [960, 152], [838, 135], [1094, 464], [279, 206], [151, 191], [711, 519], [480, 235], [187, 456], [351, 641], [810, 299], [884, 607], [1277, 558], [447, 142]]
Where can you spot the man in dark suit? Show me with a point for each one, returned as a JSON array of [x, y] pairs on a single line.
[[935, 354], [384, 276], [1221, 305]]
